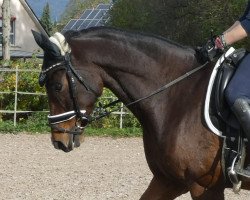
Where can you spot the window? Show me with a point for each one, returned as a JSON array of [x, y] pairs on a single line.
[[12, 32]]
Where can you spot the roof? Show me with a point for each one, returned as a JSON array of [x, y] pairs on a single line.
[[91, 17], [33, 16], [14, 53]]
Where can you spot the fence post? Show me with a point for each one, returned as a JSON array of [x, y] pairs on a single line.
[[121, 116], [15, 105]]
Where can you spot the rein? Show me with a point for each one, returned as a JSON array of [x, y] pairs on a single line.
[[81, 118], [168, 85]]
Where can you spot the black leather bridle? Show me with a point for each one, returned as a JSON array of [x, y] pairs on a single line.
[[81, 117]]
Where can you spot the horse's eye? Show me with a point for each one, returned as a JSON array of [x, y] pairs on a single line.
[[58, 87]]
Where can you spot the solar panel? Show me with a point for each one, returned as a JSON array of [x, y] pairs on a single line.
[[93, 14], [103, 6], [90, 18], [86, 13], [85, 24], [100, 14], [100, 23], [93, 23], [105, 17], [77, 24], [70, 24]]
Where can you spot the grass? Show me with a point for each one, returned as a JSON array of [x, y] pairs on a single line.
[[37, 123], [114, 132], [37, 127]]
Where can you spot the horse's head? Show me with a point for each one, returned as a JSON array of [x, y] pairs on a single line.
[[70, 100]]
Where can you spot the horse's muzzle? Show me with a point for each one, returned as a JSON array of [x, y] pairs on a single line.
[[65, 141]]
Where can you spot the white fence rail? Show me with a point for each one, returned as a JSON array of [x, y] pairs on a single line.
[[16, 92]]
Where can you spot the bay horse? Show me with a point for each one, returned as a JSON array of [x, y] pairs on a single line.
[[181, 152]]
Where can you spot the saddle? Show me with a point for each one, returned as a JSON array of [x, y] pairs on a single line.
[[222, 119], [221, 109]]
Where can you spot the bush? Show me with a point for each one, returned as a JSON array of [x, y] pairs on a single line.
[[28, 82], [187, 22], [35, 123], [38, 123], [113, 120]]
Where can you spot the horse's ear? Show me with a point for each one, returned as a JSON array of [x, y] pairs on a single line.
[[41, 40], [44, 42], [37, 37]]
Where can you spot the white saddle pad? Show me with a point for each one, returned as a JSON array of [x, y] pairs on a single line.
[[209, 90]]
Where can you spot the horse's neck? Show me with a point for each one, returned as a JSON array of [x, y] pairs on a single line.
[[133, 71], [131, 75], [136, 74]]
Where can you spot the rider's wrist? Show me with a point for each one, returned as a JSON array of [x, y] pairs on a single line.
[[223, 40]]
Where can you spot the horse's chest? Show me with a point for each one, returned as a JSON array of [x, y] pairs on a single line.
[[166, 159]]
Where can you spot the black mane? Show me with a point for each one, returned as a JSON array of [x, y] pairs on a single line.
[[108, 31]]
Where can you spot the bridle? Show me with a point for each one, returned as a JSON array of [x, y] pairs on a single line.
[[82, 119]]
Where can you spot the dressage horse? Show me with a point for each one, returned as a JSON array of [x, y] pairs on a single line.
[[180, 150]]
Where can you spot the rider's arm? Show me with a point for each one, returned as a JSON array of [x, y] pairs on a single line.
[[245, 19], [238, 31], [235, 33], [246, 13]]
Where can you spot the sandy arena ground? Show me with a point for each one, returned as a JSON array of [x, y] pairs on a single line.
[[101, 169]]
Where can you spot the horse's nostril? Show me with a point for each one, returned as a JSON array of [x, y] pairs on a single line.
[[55, 143]]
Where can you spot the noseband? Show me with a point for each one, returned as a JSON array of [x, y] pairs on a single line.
[[81, 118]]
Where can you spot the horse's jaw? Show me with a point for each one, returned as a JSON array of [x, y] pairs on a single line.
[[65, 141]]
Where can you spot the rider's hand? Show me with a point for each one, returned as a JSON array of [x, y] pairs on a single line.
[[220, 42], [211, 50]]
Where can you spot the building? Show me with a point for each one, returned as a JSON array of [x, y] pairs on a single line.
[[23, 20]]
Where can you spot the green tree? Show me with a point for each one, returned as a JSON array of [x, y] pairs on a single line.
[[46, 19], [188, 22], [133, 15]]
